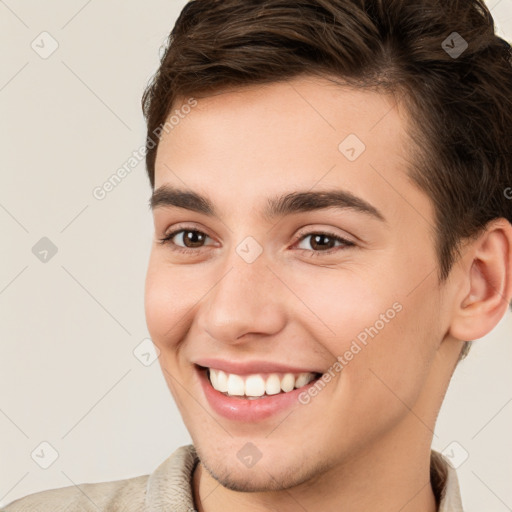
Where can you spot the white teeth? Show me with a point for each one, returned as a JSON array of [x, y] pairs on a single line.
[[235, 385], [288, 382], [256, 385], [222, 381], [301, 380], [273, 384], [214, 378]]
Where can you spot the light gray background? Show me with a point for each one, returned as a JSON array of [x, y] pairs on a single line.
[[69, 326]]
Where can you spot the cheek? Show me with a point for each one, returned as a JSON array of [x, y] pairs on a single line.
[[343, 302], [390, 369], [373, 322], [166, 301]]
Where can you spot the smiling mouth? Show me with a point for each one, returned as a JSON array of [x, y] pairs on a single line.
[[257, 385]]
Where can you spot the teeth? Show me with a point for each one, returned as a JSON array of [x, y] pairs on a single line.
[[288, 382], [219, 380], [214, 378], [301, 380], [273, 384], [236, 385], [254, 386], [222, 381]]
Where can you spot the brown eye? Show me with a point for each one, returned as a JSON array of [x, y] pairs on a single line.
[[192, 238], [323, 242], [185, 239]]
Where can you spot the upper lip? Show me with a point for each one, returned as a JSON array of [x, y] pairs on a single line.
[[250, 367]]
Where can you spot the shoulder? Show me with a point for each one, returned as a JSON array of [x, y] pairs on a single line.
[[167, 487], [116, 496]]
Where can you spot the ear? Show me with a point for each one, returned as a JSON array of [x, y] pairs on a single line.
[[486, 286]]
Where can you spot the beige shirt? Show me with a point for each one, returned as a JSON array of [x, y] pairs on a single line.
[[169, 489]]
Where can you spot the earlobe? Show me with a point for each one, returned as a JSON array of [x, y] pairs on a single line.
[[487, 279]]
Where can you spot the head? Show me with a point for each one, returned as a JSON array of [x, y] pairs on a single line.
[[371, 123]]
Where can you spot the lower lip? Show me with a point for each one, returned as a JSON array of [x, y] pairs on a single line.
[[245, 409]]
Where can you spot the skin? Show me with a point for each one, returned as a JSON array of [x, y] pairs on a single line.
[[373, 423]]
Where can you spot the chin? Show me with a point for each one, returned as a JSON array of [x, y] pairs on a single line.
[[251, 479], [273, 474]]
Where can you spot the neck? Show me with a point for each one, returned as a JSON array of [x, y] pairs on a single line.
[[379, 478]]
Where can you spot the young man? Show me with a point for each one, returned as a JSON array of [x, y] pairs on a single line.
[[331, 198]]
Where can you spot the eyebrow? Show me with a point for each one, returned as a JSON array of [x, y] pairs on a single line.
[[278, 206]]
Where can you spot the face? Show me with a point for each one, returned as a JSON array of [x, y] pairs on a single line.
[[311, 256]]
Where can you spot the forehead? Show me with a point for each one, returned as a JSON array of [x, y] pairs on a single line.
[[253, 142]]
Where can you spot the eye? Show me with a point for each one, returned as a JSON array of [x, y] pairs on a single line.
[[186, 240], [322, 243]]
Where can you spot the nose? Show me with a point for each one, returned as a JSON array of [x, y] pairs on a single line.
[[248, 299]]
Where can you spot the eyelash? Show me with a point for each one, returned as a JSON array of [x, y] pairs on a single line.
[[312, 253]]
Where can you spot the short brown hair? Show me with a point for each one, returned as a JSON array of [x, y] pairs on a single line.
[[460, 104]]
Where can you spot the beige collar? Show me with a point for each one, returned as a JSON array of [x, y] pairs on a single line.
[[445, 484]]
